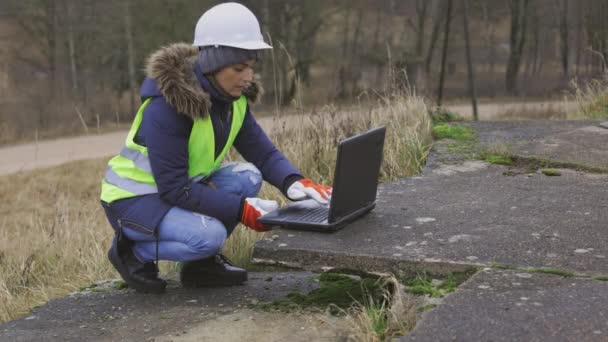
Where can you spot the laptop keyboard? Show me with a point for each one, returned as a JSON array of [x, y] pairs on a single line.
[[316, 215]]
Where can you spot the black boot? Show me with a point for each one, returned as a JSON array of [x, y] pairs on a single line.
[[214, 271], [143, 277]]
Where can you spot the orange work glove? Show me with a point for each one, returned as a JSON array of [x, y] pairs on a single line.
[[306, 188], [253, 208]]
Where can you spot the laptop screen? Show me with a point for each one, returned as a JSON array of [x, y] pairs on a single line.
[[356, 174]]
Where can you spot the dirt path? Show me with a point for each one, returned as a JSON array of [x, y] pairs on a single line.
[[55, 152], [493, 111]]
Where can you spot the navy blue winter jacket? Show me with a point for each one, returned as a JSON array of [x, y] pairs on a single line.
[[165, 131]]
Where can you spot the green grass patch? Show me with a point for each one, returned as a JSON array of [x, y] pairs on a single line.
[[336, 292], [544, 270], [498, 154], [456, 132], [601, 278], [551, 172], [499, 159], [425, 284], [121, 285], [442, 115]]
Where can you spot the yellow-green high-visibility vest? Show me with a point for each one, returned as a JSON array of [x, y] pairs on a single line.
[[129, 174]]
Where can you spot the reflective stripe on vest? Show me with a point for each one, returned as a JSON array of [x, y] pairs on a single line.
[[129, 174]]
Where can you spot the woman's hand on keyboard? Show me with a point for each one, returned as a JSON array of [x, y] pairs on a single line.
[[306, 188]]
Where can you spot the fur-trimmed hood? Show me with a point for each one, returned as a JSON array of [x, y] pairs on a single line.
[[172, 69]]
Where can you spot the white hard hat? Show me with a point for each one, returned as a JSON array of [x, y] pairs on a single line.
[[229, 24]]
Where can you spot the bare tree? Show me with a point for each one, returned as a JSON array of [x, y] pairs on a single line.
[[69, 11], [471, 76], [438, 20], [579, 35], [343, 76], [444, 53], [564, 36], [535, 61], [130, 54], [519, 9]]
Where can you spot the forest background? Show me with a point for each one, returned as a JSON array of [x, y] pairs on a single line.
[[67, 66]]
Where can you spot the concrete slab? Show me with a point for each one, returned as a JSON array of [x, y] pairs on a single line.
[[581, 142], [128, 316], [460, 216], [513, 306], [604, 124]]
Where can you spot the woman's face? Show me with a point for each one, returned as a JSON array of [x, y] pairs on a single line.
[[234, 78]]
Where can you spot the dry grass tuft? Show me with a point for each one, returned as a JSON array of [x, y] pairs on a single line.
[[54, 235], [394, 315], [591, 100], [311, 142]]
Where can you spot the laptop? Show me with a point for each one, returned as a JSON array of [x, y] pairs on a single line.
[[354, 189]]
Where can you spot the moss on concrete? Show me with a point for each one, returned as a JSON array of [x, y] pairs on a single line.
[[498, 159], [534, 164], [551, 172], [502, 156], [335, 292], [546, 270]]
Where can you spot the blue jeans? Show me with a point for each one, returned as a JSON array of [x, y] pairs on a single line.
[[185, 235]]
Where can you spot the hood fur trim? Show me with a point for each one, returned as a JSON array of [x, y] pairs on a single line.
[[173, 69]]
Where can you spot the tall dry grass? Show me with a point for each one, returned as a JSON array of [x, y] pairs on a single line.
[[591, 99], [54, 235]]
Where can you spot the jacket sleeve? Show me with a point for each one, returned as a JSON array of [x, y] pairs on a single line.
[[255, 146], [166, 134]]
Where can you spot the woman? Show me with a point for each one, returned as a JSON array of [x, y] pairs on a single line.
[[167, 195]]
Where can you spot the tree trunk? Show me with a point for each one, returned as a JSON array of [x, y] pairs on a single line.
[[343, 75], [532, 54], [434, 36], [517, 41], [421, 10], [376, 46], [537, 43], [563, 34], [465, 21], [72, 49], [130, 55], [444, 54], [51, 24], [353, 65], [579, 36]]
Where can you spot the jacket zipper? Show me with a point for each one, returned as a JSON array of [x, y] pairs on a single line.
[[143, 229]]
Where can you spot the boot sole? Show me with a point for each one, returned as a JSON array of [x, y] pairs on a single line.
[[134, 284]]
